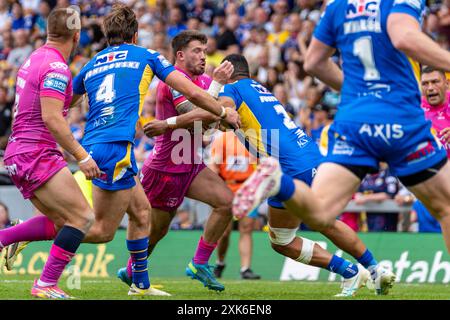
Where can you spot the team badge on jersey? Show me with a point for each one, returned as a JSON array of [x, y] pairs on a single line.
[[362, 8], [56, 81]]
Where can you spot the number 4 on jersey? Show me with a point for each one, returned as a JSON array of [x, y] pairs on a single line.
[[106, 92]]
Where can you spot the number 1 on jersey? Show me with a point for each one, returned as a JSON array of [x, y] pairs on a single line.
[[363, 49], [106, 92]]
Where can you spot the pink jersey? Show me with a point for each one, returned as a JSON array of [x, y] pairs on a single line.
[[44, 74], [161, 158], [439, 117]]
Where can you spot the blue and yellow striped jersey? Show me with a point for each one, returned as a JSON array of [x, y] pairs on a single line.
[[268, 129], [116, 81], [380, 82]]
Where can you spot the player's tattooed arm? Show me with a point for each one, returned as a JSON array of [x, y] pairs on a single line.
[[185, 107]]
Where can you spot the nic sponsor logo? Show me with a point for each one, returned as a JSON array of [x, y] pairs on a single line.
[[111, 57], [362, 8]]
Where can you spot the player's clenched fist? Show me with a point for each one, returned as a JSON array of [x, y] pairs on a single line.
[[223, 72], [233, 118]]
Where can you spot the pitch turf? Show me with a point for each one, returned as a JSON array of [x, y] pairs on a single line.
[[18, 287]]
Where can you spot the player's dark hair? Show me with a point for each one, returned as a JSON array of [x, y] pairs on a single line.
[[182, 40], [429, 69], [120, 25], [240, 65], [62, 24]]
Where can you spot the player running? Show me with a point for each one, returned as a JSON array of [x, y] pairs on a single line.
[[167, 179], [379, 117], [36, 166], [268, 130]]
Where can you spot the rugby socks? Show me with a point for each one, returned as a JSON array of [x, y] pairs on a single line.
[[138, 252], [367, 259], [343, 267], [287, 188], [61, 253], [35, 229], [204, 251]]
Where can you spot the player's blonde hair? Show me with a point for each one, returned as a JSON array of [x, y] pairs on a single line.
[[63, 23]]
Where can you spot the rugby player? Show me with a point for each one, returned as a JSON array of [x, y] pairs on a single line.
[[379, 116], [32, 158]]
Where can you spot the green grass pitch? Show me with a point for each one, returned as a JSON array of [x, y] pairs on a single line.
[[13, 288]]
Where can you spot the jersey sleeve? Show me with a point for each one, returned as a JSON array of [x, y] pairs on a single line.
[[160, 66], [414, 8], [230, 91], [55, 82], [325, 31], [78, 82]]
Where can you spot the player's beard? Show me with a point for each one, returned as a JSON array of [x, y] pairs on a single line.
[[197, 70]]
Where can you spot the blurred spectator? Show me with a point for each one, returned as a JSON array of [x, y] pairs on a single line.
[[213, 56], [22, 49], [377, 188], [223, 29], [175, 23], [41, 20], [20, 20], [5, 16]]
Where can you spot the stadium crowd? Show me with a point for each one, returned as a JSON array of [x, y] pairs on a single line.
[[273, 35]]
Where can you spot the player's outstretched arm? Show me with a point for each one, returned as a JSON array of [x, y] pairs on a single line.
[[318, 63], [201, 98], [158, 127], [58, 127], [406, 35]]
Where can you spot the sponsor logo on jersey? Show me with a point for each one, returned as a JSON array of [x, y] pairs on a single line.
[[422, 152], [111, 57], [385, 132], [59, 65], [106, 116], [12, 169], [362, 8], [342, 148], [56, 81]]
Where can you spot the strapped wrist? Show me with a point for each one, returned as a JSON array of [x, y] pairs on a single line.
[[172, 122], [80, 154], [214, 89]]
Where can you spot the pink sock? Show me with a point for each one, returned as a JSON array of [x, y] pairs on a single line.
[[34, 229], [204, 251], [56, 262], [129, 269]]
